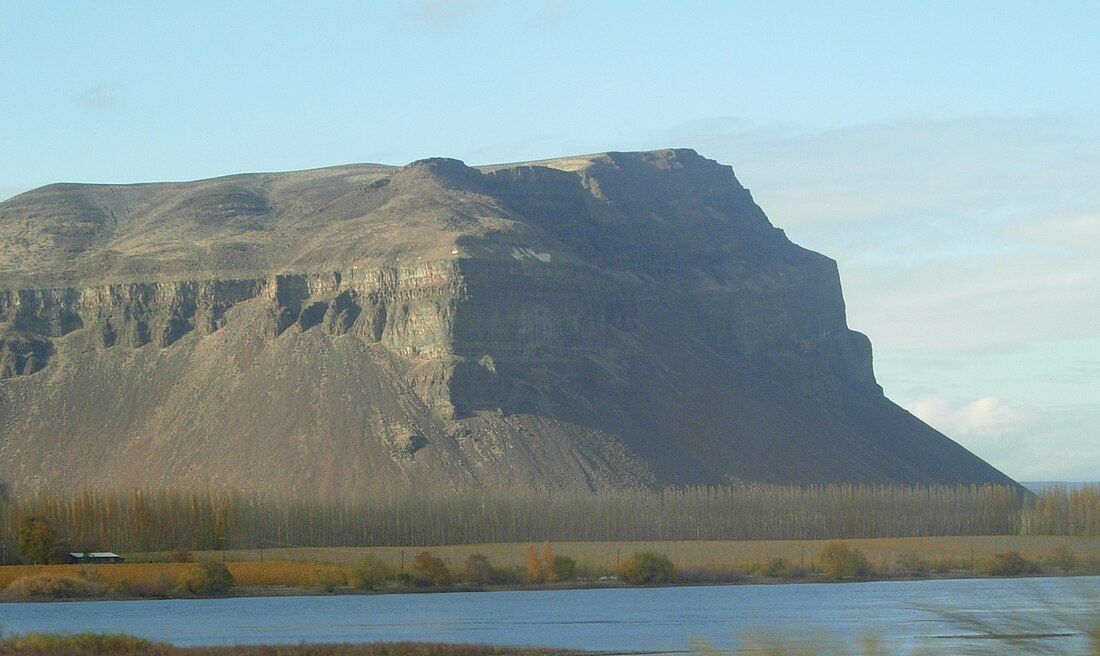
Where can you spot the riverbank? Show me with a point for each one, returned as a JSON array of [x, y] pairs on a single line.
[[298, 570], [96, 644], [883, 553]]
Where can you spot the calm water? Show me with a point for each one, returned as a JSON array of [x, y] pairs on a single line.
[[902, 615]]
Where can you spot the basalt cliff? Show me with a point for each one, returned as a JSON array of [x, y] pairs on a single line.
[[613, 320]]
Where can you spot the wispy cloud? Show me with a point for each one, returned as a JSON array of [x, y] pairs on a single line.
[[964, 233], [102, 97], [441, 13], [968, 252], [936, 171], [1084, 371]]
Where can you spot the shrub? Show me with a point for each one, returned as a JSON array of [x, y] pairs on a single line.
[[180, 555], [85, 643], [590, 572], [777, 568], [370, 573], [159, 586], [839, 561], [432, 568], [912, 563], [1009, 563], [55, 586], [478, 570], [708, 575], [327, 578], [509, 575], [647, 567], [206, 578], [565, 568], [945, 566], [90, 574], [1062, 558]]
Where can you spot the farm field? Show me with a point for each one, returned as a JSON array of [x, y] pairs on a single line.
[[882, 552], [297, 566]]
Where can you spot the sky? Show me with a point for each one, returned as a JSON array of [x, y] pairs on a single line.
[[946, 154]]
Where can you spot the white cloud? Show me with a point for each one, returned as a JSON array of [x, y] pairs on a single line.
[[991, 416], [1055, 442], [987, 417]]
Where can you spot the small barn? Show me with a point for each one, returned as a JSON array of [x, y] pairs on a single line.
[[94, 557]]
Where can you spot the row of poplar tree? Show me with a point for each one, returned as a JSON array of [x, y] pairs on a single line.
[[165, 519]]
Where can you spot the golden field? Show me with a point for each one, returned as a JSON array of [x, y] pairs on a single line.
[[882, 552], [296, 566]]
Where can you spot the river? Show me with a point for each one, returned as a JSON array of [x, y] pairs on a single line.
[[902, 615]]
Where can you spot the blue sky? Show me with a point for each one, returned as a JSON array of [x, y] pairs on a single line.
[[946, 154]]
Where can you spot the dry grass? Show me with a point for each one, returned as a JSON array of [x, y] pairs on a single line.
[[882, 552], [87, 644], [244, 573], [54, 586], [273, 572], [297, 566], [108, 574]]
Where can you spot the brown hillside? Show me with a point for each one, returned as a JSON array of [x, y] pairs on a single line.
[[610, 320]]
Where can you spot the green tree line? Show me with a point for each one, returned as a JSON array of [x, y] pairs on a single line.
[[165, 519]]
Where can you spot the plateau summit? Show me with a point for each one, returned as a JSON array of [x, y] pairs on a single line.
[[601, 321]]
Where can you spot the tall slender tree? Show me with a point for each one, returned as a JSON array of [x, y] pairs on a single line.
[[37, 538]]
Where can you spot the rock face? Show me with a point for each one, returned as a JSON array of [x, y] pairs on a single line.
[[604, 321]]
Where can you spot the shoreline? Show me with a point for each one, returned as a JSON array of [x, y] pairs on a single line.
[[261, 591], [320, 571]]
